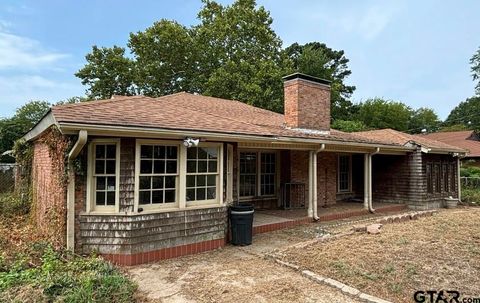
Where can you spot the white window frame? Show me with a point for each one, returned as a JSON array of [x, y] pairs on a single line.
[[159, 206], [349, 190], [181, 202], [91, 205], [219, 178], [258, 189]]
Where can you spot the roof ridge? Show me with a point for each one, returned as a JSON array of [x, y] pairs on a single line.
[[230, 100], [89, 102]]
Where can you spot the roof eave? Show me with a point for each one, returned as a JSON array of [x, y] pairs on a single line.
[[46, 122], [137, 131]]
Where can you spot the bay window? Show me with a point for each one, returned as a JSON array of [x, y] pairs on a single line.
[[257, 174]]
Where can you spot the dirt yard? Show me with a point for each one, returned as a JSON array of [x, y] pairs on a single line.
[[437, 252], [233, 274]]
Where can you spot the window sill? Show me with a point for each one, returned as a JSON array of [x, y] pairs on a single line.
[[152, 211]]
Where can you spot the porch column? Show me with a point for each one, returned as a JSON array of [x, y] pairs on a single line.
[[367, 180], [310, 184], [459, 181]]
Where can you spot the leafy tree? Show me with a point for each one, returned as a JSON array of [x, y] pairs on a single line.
[[319, 60], [107, 72], [348, 125], [232, 53], [240, 54], [453, 128], [378, 113], [424, 118], [19, 124], [72, 100], [466, 113], [475, 62], [165, 58]]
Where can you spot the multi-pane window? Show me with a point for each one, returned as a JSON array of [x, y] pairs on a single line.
[[267, 174], [248, 174], [257, 174], [104, 174], [202, 173], [438, 179], [344, 162], [158, 174], [446, 176], [452, 173], [429, 174]]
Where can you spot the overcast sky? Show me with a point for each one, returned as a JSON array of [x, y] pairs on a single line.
[[416, 52]]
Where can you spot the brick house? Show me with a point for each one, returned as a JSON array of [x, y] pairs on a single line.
[[159, 173]]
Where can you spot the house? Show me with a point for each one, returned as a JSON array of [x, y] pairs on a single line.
[[151, 178], [465, 139]]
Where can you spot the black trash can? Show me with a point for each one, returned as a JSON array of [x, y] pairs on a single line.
[[241, 223]]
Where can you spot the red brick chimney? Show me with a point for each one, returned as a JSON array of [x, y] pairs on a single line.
[[307, 102]]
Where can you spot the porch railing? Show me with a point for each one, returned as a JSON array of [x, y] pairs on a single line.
[[293, 195]]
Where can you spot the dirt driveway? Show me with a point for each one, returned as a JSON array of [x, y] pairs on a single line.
[[233, 274]]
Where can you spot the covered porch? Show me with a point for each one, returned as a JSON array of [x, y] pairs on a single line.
[[319, 183]]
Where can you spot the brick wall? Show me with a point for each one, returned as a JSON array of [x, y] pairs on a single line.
[[48, 192], [326, 178], [326, 175], [307, 105]]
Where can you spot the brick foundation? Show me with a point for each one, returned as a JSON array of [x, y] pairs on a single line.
[[164, 253]]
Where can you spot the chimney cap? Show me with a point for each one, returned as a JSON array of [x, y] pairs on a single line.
[[306, 77]]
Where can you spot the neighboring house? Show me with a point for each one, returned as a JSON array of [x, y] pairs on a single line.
[[145, 188], [465, 139]]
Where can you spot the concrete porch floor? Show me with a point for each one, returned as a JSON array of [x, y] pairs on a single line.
[[270, 220]]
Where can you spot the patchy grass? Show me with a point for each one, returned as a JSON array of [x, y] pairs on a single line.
[[438, 252], [471, 195], [32, 271]]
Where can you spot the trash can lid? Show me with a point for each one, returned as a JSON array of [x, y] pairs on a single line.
[[242, 207]]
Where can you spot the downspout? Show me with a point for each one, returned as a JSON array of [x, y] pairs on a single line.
[[310, 184], [314, 192], [81, 141], [370, 195]]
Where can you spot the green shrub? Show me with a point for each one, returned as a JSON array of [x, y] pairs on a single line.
[[12, 205], [63, 277], [470, 171], [471, 195]]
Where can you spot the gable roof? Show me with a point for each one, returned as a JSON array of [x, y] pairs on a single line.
[[395, 137], [185, 112], [466, 139]]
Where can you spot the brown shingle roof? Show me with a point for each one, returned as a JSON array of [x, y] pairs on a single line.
[[396, 137], [185, 111], [463, 139]]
